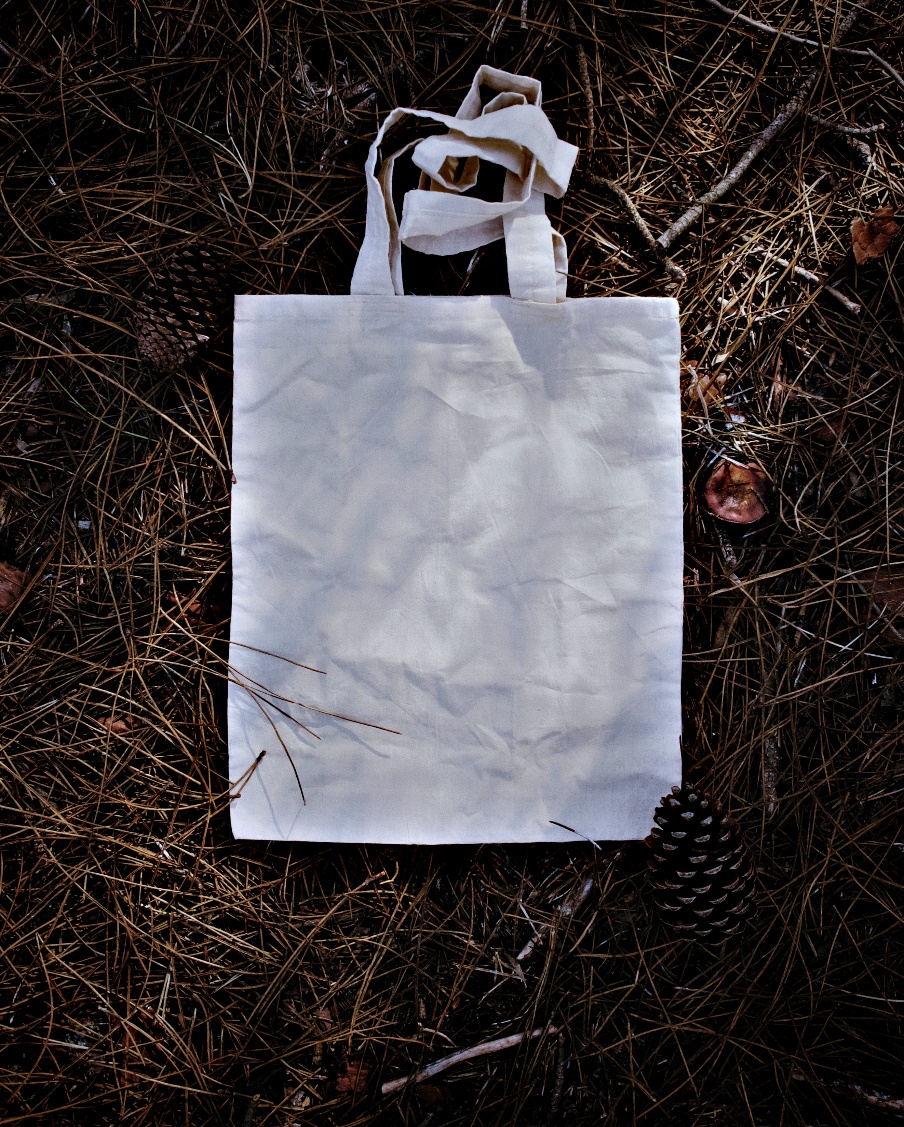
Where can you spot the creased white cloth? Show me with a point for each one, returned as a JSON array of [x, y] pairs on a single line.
[[467, 512], [510, 130]]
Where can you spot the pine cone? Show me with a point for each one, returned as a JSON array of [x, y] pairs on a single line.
[[185, 305], [702, 871]]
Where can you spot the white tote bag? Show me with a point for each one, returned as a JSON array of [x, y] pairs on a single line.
[[466, 512]]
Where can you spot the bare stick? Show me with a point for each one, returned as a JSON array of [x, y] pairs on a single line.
[[809, 276], [878, 1099], [559, 1085], [778, 32], [847, 130], [849, 133], [770, 774], [566, 910], [186, 33], [251, 1111], [869, 53], [869, 1095], [627, 203], [886, 66], [777, 126], [462, 1055], [584, 72]]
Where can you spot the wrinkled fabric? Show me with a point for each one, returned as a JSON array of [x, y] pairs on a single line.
[[511, 130], [467, 512]]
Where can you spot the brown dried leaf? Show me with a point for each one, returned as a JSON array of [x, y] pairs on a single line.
[[119, 725], [353, 1077], [737, 493], [431, 1095], [886, 589], [872, 239], [199, 614], [191, 608], [829, 430], [11, 582], [705, 386]]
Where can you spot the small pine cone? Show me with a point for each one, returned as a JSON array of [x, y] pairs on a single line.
[[701, 870], [185, 305]]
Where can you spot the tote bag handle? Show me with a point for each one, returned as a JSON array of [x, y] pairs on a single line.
[[512, 131]]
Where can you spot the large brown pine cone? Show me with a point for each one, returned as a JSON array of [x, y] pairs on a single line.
[[187, 303], [701, 870]]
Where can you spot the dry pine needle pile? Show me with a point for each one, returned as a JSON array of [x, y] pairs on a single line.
[[154, 971]]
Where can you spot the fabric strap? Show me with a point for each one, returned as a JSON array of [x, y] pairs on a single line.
[[511, 130]]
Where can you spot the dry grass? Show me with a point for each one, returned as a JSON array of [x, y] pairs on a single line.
[[157, 972]]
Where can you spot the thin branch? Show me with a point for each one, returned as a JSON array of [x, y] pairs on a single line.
[[566, 910], [770, 774], [627, 203], [809, 276], [777, 126], [251, 1111], [462, 1055], [854, 52], [556, 1100], [779, 33], [850, 133], [886, 66], [584, 72], [868, 1095], [847, 130], [878, 1099], [185, 34]]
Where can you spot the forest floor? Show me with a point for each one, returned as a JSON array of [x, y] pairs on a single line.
[[155, 970]]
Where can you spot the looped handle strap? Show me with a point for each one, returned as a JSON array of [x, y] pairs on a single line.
[[512, 131]]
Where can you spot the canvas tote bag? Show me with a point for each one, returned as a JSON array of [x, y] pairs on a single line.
[[466, 513]]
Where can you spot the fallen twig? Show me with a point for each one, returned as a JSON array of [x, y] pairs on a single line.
[[778, 32], [788, 113], [185, 34], [770, 774], [251, 1111], [627, 203], [851, 133], [809, 276], [462, 1055], [886, 66], [867, 53], [566, 910], [878, 1099], [559, 1084], [868, 1095], [584, 73], [848, 130]]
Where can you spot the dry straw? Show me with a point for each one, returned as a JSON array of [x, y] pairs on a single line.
[[157, 972]]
